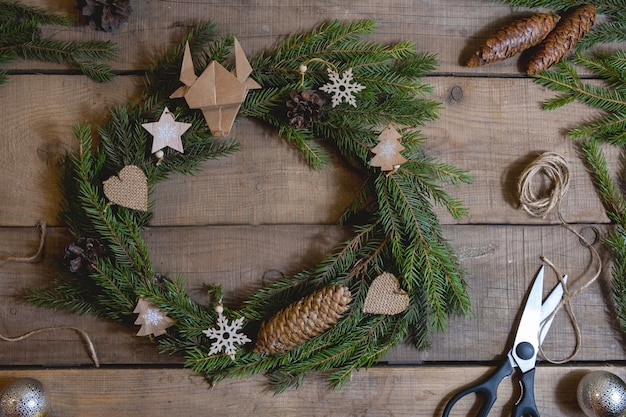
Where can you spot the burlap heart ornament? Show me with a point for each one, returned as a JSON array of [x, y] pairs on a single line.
[[385, 296], [128, 189]]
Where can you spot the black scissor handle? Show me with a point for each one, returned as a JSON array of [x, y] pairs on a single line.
[[526, 405], [488, 388]]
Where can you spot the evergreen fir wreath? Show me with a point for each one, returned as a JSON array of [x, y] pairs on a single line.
[[313, 321]]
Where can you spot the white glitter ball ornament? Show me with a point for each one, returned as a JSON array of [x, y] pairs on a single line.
[[602, 394]]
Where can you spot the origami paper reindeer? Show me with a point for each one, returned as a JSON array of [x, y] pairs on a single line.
[[217, 92]]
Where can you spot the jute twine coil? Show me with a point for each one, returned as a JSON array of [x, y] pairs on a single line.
[[555, 168], [41, 226]]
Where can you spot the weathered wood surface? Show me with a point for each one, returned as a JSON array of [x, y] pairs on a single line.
[[380, 391], [261, 213]]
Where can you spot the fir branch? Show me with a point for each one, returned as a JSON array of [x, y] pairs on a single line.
[[19, 38], [304, 142], [604, 33], [611, 97], [616, 241], [609, 193], [68, 292], [15, 11]]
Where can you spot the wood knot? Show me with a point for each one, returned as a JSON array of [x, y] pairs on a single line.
[[456, 94]]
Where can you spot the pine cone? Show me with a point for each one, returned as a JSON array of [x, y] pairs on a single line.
[[303, 108], [303, 320], [81, 255], [571, 29], [106, 15], [514, 38]]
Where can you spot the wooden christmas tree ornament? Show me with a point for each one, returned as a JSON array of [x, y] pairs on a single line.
[[567, 33], [514, 38], [151, 319], [303, 320], [385, 296], [388, 150], [129, 189], [217, 92]]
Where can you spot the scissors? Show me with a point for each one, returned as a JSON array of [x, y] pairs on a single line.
[[532, 329]]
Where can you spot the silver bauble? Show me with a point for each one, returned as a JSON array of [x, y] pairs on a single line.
[[23, 397], [602, 394]]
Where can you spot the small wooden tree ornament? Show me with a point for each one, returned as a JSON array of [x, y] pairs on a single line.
[[388, 150], [151, 318]]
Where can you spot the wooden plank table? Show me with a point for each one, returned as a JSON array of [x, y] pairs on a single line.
[[262, 213]]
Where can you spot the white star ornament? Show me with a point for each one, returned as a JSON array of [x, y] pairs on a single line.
[[167, 132]]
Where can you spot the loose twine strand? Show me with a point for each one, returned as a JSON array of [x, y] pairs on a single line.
[[555, 168], [82, 333], [41, 226]]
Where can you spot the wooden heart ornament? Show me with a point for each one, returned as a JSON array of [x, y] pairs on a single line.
[[385, 296], [128, 189]]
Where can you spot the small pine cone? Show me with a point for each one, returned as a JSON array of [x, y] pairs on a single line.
[[303, 320], [514, 38], [105, 15], [82, 254], [567, 33], [303, 108]]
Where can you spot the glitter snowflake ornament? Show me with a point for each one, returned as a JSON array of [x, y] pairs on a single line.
[[341, 87], [226, 335], [151, 318]]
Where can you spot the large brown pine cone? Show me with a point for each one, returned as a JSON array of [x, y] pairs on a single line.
[[514, 38], [567, 33], [303, 320]]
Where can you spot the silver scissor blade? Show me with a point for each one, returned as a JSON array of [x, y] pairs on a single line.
[[550, 304], [527, 338]]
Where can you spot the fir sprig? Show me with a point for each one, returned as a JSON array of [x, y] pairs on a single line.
[[610, 97], [398, 231], [20, 38]]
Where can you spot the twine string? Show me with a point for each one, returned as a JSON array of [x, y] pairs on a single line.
[[303, 67], [82, 334], [538, 204], [41, 226]]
